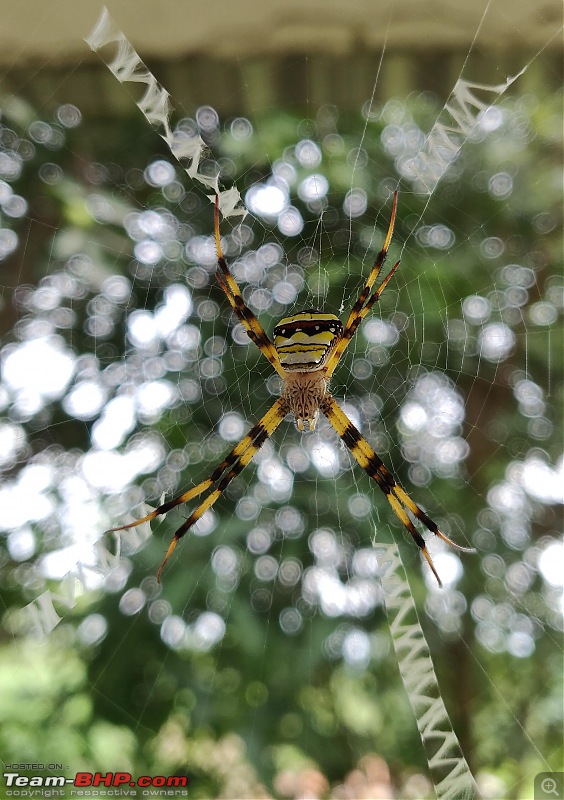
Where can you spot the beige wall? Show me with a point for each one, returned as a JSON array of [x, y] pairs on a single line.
[[248, 56], [54, 29]]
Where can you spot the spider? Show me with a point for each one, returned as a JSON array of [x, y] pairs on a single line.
[[306, 349]]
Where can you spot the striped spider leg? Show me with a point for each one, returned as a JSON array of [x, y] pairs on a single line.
[[221, 477], [372, 464], [232, 291], [306, 349], [246, 449], [365, 300]]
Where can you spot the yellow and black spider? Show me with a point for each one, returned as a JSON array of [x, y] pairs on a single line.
[[307, 347]]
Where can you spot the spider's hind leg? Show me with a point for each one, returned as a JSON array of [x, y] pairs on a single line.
[[222, 476], [398, 499], [236, 461]]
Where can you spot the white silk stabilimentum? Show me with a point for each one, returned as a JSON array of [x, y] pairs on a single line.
[[124, 62], [461, 115], [449, 770], [41, 615]]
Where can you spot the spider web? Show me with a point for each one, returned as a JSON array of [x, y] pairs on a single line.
[[453, 350]]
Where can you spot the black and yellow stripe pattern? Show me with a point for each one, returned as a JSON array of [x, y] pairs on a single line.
[[232, 291], [307, 347], [221, 477], [303, 341], [372, 464], [365, 300]]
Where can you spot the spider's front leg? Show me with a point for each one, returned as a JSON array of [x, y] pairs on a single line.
[[232, 291], [365, 300]]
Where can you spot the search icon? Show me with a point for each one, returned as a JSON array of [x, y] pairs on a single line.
[[549, 786]]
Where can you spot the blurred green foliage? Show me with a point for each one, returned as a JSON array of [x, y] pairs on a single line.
[[266, 707]]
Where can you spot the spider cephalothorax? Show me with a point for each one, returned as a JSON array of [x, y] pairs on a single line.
[[307, 347]]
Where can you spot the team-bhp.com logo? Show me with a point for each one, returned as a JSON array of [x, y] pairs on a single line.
[[95, 784]]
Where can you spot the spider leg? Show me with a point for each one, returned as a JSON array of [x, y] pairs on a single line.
[[233, 293], [252, 326], [350, 328], [365, 300], [235, 462], [237, 459], [196, 491], [398, 499]]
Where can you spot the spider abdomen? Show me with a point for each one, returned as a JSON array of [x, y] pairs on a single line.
[[303, 341]]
